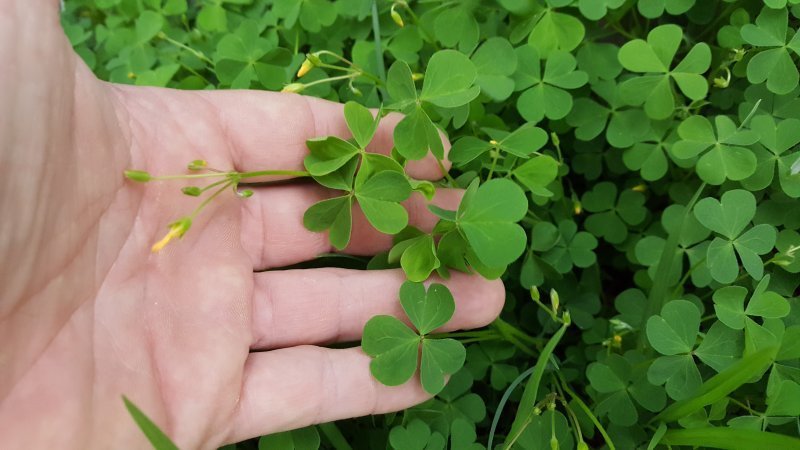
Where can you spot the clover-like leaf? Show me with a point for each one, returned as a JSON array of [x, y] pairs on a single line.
[[449, 80], [395, 347], [616, 378], [722, 153], [729, 218], [776, 138], [415, 436], [244, 57], [729, 304], [522, 142], [625, 125], [597, 9], [487, 218], [537, 173], [653, 9], [328, 155], [360, 122], [564, 246], [556, 31], [611, 214], [335, 215], [379, 197], [545, 93], [495, 62], [774, 65], [673, 333], [654, 57]]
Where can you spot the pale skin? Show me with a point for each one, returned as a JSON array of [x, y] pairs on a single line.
[[212, 349]]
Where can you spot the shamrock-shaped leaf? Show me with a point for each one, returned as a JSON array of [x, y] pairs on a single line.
[[417, 257], [654, 57], [244, 56], [328, 155], [454, 402], [335, 215], [463, 436], [379, 198], [522, 142], [448, 83], [489, 358], [729, 218], [650, 154], [673, 333], [545, 93], [721, 346], [785, 401], [625, 125], [457, 27], [537, 173], [775, 64], [653, 9], [597, 9], [722, 155], [495, 62], [616, 378], [730, 307], [313, 15], [556, 31], [395, 347], [613, 214], [565, 246], [416, 435], [487, 218], [776, 138]]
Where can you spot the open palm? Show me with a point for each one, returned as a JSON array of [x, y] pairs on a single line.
[[211, 347]]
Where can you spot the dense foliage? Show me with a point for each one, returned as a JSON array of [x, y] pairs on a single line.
[[637, 160]]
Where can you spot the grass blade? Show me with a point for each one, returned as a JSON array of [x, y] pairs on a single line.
[[531, 392], [334, 436], [157, 438], [720, 385], [730, 438]]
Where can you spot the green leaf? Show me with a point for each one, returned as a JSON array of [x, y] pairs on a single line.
[[720, 347], [546, 93], [556, 31], [655, 56], [729, 438], [440, 358], [157, 438], [722, 155], [537, 173], [720, 385], [495, 62], [419, 259], [449, 80], [379, 198], [675, 330], [488, 222], [328, 155], [335, 215], [393, 347], [360, 122], [427, 310], [773, 65]]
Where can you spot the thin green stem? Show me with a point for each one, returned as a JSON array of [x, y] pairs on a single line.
[[208, 200], [263, 173], [587, 411], [200, 55]]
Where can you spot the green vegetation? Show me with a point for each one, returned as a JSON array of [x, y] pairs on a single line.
[[637, 159]]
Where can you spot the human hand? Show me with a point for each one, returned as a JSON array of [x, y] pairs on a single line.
[[211, 349]]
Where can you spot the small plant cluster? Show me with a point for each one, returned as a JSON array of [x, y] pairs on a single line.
[[637, 159]]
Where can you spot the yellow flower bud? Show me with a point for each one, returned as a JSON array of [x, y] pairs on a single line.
[[305, 68], [417, 76], [639, 188]]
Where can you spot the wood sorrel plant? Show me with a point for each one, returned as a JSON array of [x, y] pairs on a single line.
[[638, 157]]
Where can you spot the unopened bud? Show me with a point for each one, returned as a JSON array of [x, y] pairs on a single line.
[[583, 446], [305, 68], [247, 193], [555, 301], [577, 207], [416, 76], [639, 188], [398, 19], [294, 88], [555, 139], [535, 293], [192, 191], [138, 175], [197, 164], [553, 442], [617, 340], [537, 411]]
